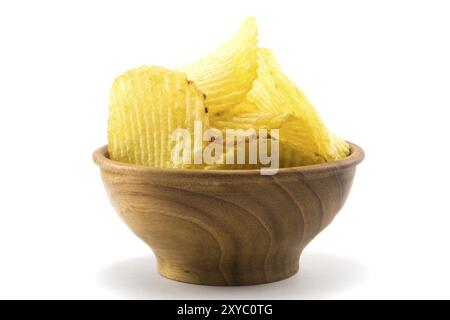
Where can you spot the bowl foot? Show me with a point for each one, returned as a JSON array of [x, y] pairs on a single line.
[[215, 277]]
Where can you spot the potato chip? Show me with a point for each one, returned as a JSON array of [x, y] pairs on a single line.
[[339, 148], [234, 166], [288, 157], [291, 154], [279, 103], [146, 105], [227, 74]]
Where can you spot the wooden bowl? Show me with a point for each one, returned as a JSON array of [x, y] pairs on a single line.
[[227, 227]]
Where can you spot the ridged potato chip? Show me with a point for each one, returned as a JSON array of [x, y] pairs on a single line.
[[235, 166], [339, 148], [146, 105], [227, 74], [288, 157], [290, 142], [275, 102]]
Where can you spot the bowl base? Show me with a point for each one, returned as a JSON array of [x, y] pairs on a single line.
[[215, 278]]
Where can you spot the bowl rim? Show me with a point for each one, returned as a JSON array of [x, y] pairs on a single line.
[[100, 157]]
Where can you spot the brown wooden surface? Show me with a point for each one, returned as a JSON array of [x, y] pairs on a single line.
[[227, 227]]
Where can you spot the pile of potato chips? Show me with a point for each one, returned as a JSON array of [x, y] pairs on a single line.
[[238, 86]]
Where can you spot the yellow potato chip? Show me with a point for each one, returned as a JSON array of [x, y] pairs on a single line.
[[275, 102], [288, 157], [290, 151], [339, 148], [146, 105], [227, 74], [234, 166]]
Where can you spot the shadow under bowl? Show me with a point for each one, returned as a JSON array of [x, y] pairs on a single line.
[[227, 227]]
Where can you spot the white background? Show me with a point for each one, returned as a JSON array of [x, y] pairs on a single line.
[[378, 72]]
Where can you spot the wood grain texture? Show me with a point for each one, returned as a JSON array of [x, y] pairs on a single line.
[[227, 227]]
